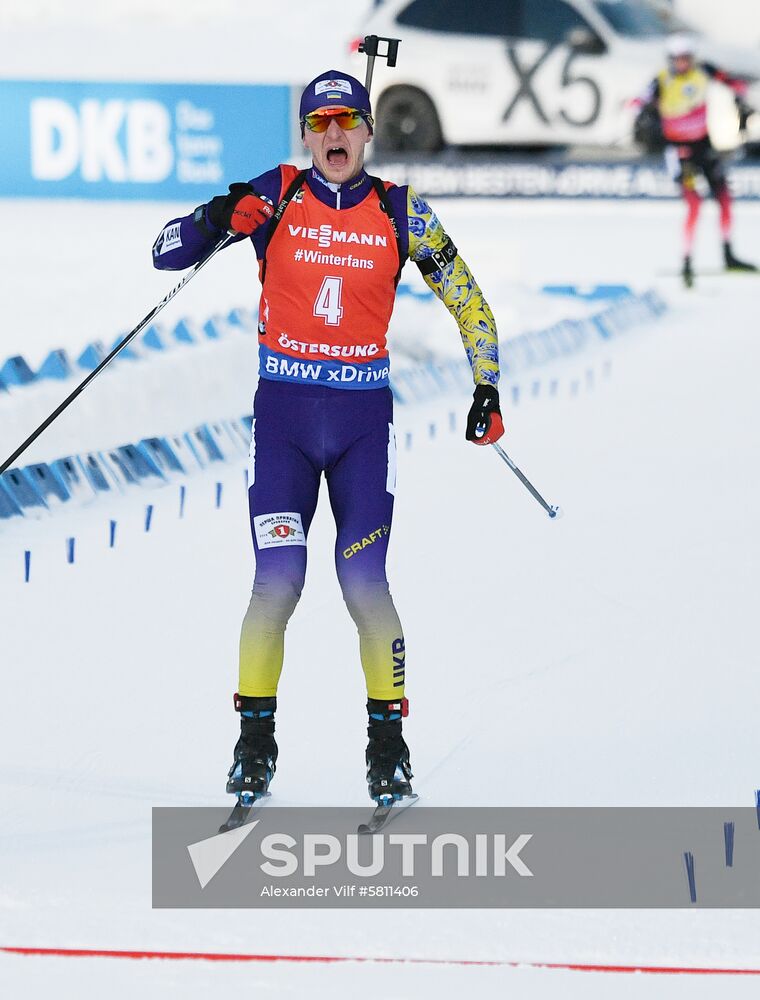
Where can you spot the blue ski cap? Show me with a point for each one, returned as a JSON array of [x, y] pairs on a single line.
[[334, 89]]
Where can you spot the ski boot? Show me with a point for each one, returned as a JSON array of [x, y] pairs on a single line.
[[687, 273], [733, 263], [255, 751], [388, 768]]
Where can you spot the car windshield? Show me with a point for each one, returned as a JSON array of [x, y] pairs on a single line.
[[639, 18]]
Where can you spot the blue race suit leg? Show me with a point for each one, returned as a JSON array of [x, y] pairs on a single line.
[[299, 432]]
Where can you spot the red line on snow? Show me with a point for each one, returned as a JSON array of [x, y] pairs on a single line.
[[185, 956]]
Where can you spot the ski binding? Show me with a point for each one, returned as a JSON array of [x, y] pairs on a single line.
[[242, 811]]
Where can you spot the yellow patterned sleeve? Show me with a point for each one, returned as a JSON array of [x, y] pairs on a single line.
[[455, 286]]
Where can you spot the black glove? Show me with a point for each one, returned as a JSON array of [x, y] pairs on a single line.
[[242, 210], [484, 423], [745, 112]]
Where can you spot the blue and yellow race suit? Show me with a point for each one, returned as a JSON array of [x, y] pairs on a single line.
[[303, 427]]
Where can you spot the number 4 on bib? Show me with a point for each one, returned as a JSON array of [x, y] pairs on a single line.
[[327, 303]]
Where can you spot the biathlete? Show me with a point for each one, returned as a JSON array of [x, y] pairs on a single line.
[[331, 242], [679, 93]]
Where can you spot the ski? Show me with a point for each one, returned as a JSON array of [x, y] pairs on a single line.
[[243, 810], [385, 813]]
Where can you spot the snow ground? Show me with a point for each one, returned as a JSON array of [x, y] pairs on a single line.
[[610, 661]]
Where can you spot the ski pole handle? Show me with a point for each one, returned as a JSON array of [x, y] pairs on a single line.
[[551, 510], [221, 242]]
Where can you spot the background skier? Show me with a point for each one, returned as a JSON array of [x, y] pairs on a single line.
[[679, 94]]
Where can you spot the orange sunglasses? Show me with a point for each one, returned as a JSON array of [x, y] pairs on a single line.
[[319, 121]]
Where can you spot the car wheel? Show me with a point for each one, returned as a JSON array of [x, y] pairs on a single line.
[[407, 122]]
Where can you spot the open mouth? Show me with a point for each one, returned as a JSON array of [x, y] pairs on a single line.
[[337, 156]]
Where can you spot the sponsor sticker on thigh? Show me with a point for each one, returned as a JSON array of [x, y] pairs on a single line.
[[273, 530]]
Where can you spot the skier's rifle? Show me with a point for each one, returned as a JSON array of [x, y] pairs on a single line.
[[371, 48]]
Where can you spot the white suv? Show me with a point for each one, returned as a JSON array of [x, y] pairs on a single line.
[[521, 72]]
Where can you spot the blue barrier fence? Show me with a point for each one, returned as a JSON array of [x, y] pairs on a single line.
[[536, 347], [427, 431], [152, 461], [16, 371], [160, 460]]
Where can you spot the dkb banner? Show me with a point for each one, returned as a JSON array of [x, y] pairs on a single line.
[[479, 857], [128, 140]]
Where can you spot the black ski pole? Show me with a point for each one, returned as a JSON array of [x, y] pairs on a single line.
[[221, 242], [550, 509]]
